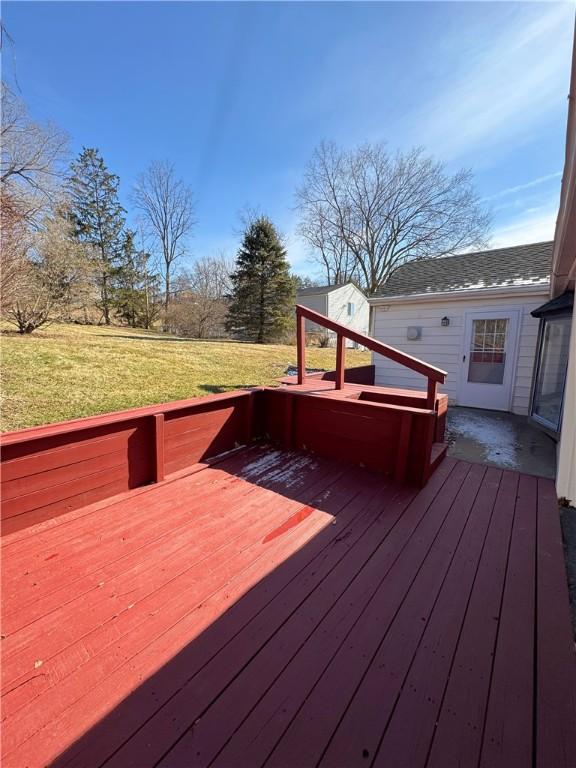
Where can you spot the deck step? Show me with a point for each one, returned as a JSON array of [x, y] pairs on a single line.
[[437, 454]]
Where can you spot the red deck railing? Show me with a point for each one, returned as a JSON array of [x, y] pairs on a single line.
[[434, 375]]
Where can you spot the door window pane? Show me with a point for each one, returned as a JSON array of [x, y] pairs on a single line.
[[553, 364], [488, 351]]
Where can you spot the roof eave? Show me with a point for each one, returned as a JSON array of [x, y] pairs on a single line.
[[331, 289], [476, 293], [564, 253]]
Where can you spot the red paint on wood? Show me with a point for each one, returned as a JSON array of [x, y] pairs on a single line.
[[340, 360], [244, 647], [403, 448], [68, 490], [555, 711], [21, 436], [508, 728], [159, 447], [431, 394], [457, 739], [52, 458], [49, 511], [301, 347], [50, 471], [288, 435], [348, 429], [293, 521], [407, 735], [405, 608], [23, 486]]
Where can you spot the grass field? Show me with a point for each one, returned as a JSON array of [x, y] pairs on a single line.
[[69, 371]]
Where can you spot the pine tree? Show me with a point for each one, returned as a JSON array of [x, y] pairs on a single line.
[[98, 218], [262, 287], [136, 292]]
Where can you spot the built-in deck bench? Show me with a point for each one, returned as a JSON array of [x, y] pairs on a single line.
[[54, 469]]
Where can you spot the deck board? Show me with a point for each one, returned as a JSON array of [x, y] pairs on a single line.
[[508, 729], [457, 736], [408, 733], [281, 609]]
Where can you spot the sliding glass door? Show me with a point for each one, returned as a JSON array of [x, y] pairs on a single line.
[[551, 370]]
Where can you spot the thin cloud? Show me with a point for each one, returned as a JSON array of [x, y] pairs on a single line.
[[508, 87], [533, 227], [522, 187]]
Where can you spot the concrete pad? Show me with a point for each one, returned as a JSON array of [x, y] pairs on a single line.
[[500, 439]]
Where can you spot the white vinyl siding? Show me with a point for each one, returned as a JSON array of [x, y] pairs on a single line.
[[318, 302], [442, 346], [338, 302], [335, 305]]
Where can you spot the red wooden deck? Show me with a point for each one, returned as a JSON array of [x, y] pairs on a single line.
[[282, 609]]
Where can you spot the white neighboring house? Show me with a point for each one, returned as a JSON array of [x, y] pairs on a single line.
[[345, 304], [469, 315]]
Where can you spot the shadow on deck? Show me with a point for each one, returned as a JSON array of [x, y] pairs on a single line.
[[283, 609]]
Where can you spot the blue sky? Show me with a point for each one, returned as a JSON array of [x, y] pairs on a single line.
[[237, 95]]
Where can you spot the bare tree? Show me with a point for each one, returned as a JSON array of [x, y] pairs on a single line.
[[329, 248], [15, 243], [54, 278], [67, 266], [32, 159], [167, 207], [383, 210], [31, 170], [200, 300]]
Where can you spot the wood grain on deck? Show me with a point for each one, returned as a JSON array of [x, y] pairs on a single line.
[[282, 609]]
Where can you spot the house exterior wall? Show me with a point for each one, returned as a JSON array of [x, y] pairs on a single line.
[[317, 302], [334, 305], [338, 308], [444, 346]]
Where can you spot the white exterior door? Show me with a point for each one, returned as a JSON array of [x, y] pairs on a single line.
[[489, 359]]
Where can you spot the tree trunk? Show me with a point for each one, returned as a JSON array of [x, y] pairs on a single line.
[[167, 289], [260, 339], [105, 299]]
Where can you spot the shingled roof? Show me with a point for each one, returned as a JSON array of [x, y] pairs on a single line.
[[522, 265]]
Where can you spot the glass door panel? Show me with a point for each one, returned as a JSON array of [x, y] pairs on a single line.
[[488, 351], [552, 367]]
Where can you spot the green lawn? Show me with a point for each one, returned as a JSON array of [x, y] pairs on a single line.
[[69, 371]]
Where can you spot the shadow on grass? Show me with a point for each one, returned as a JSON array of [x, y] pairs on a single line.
[[216, 389], [160, 337]]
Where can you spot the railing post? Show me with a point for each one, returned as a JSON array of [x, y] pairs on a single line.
[[159, 444], [301, 346], [403, 448], [340, 360], [431, 397]]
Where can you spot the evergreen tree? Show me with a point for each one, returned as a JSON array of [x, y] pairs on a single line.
[[98, 218], [262, 288], [136, 293]]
